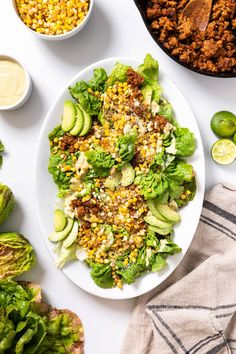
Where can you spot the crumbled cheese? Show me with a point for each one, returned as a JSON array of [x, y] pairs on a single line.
[[163, 243], [127, 128], [172, 149], [82, 164], [148, 255], [155, 107], [68, 210], [81, 254], [168, 128]]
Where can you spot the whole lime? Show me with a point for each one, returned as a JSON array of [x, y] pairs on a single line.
[[234, 138], [223, 124]]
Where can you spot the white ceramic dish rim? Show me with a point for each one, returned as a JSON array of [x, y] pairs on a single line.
[[197, 202], [57, 37], [28, 88]]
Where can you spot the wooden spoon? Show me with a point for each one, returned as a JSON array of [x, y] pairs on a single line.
[[198, 12]]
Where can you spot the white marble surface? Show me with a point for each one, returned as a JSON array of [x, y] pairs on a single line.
[[115, 29]]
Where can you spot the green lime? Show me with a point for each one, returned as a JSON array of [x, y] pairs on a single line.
[[234, 138], [223, 151], [223, 124]]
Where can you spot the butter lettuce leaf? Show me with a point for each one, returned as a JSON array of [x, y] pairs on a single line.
[[126, 146], [119, 73], [134, 270], [61, 178], [101, 162], [57, 132], [102, 275], [149, 70], [185, 142], [151, 184], [90, 103]]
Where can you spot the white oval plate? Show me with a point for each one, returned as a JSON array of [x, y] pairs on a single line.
[[46, 190]]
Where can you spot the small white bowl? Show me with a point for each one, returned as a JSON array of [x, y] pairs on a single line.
[[58, 37], [28, 88]]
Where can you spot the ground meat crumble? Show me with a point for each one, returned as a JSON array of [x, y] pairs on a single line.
[[212, 50]]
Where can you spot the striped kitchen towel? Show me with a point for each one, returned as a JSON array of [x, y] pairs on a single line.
[[194, 310]]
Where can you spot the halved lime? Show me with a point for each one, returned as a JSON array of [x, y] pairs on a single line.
[[223, 151], [223, 124]]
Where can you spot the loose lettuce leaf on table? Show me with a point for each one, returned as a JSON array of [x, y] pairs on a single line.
[[7, 202], [2, 148], [28, 326], [16, 255]]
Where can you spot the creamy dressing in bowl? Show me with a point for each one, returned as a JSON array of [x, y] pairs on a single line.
[[13, 82]]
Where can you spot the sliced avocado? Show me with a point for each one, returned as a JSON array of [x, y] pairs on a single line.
[[69, 116], [147, 94], [71, 238], [112, 182], [152, 220], [58, 236], [79, 122], [152, 207], [160, 231], [59, 220], [168, 213], [128, 175], [87, 123]]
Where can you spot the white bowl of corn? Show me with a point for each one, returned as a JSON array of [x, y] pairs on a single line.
[[53, 19]]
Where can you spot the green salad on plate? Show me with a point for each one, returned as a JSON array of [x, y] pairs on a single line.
[[118, 158]]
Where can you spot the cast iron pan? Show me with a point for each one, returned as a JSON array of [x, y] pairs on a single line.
[[141, 5]]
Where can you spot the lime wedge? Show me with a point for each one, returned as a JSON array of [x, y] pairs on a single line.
[[223, 151]]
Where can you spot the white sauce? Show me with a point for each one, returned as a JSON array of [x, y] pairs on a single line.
[[12, 82]]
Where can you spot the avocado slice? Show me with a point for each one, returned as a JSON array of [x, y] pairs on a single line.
[[112, 182], [160, 231], [128, 175], [69, 116], [153, 221], [79, 122], [71, 238], [59, 220], [168, 213], [87, 122], [147, 94], [153, 209], [59, 236]]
